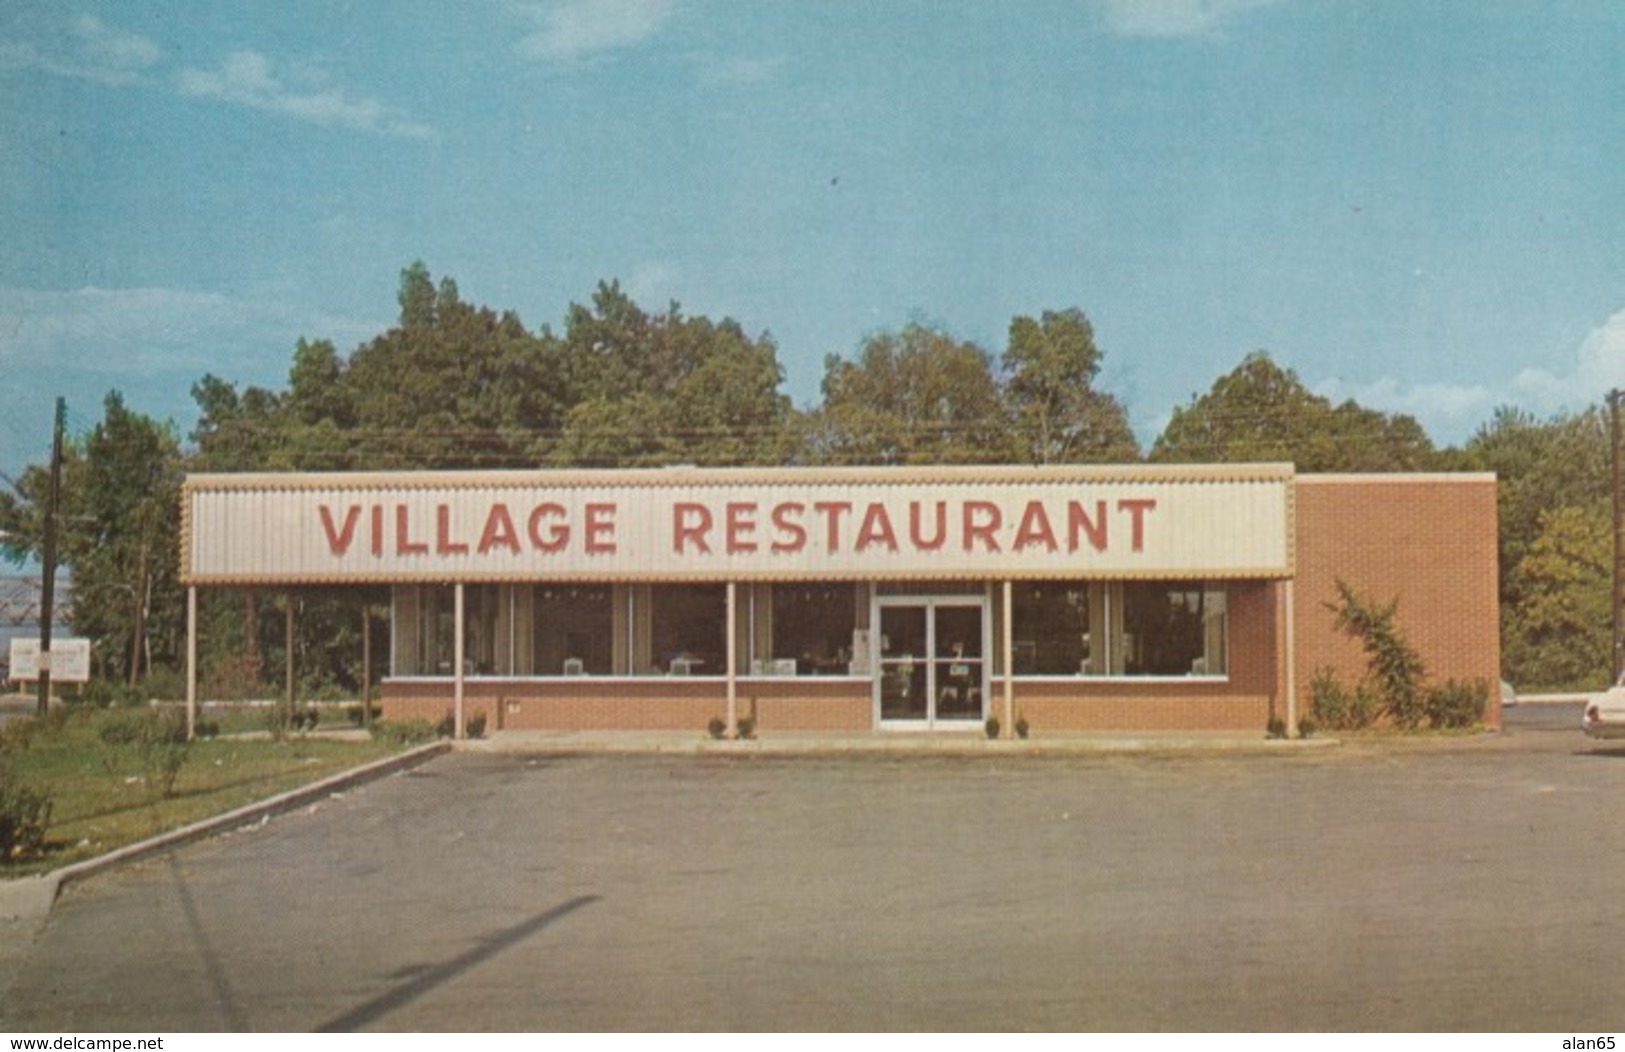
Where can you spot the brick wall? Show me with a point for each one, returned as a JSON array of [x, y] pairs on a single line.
[[1430, 541], [661, 704]]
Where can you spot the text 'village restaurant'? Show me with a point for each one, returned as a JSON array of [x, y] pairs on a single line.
[[1077, 598]]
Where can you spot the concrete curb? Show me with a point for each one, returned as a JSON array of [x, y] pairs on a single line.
[[25, 904], [50, 884], [587, 743]]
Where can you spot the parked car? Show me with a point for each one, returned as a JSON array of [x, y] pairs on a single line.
[[1605, 713]]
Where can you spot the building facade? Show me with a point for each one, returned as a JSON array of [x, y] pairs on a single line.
[[1076, 598]]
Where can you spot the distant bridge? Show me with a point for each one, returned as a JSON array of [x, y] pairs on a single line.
[[20, 601]]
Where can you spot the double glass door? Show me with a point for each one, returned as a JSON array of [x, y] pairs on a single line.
[[932, 663]]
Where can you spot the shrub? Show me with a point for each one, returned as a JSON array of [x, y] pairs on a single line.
[[992, 727], [1457, 704], [157, 741], [1307, 727], [1396, 669], [1276, 727], [717, 727], [355, 714], [405, 732], [1022, 726], [1338, 708], [746, 728], [25, 814], [475, 727]]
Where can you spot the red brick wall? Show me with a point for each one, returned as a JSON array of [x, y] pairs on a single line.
[[1430, 541], [663, 704]]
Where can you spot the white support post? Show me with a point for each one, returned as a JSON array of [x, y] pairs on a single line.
[[733, 659], [1291, 660], [191, 662], [457, 657], [1008, 651]]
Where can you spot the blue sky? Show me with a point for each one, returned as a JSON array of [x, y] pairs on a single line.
[[1414, 204]]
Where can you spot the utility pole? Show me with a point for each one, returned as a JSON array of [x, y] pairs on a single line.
[[1614, 397], [47, 613]]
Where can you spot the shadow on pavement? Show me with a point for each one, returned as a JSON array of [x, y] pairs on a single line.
[[425, 981]]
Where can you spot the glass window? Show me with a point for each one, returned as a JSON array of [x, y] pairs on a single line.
[[811, 631], [1049, 629], [1172, 628], [688, 629], [574, 630], [429, 616]]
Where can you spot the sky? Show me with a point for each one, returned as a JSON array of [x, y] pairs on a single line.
[[1414, 204]]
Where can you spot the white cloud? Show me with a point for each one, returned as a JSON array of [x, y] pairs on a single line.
[[92, 50], [142, 332], [572, 31], [248, 78], [1448, 412], [1175, 18], [1599, 367]]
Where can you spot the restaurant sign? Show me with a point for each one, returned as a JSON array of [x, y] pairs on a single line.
[[727, 526]]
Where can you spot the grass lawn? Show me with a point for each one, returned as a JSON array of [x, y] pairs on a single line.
[[101, 798]]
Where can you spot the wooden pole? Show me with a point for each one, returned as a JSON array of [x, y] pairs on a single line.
[[47, 608]]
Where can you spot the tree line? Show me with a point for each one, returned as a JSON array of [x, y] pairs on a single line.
[[455, 385]]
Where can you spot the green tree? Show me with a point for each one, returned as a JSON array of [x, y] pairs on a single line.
[[666, 388], [1262, 412], [919, 396], [118, 537], [1057, 416], [1557, 625]]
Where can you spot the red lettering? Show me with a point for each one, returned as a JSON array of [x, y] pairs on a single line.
[[876, 528], [499, 530], [794, 533], [832, 510], [1035, 528], [443, 544], [917, 538], [378, 529], [338, 541], [557, 535], [1078, 524], [601, 529], [1137, 510], [741, 524], [682, 531], [404, 545], [982, 520]]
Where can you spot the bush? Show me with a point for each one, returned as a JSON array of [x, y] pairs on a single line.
[[1022, 726], [156, 740], [992, 727], [405, 732], [1307, 727], [1338, 708], [475, 725], [1457, 704], [717, 727], [746, 728], [25, 814], [355, 714]]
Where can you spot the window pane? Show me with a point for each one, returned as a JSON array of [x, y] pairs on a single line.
[[575, 631], [812, 630], [689, 628], [1173, 629], [1050, 629]]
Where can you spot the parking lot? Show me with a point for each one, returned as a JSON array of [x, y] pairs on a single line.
[[1456, 884]]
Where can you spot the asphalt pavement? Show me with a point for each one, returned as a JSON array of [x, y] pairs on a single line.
[[1442, 884]]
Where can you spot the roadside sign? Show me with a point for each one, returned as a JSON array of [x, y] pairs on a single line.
[[69, 660]]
